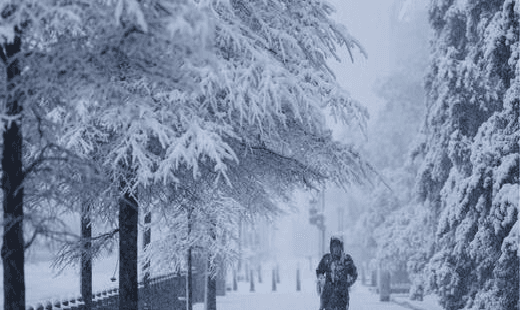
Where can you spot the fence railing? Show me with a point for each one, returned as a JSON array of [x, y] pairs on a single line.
[[164, 293]]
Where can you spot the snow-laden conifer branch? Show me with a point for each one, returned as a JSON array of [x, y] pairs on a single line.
[[72, 249], [166, 90], [235, 76], [471, 134], [205, 222]]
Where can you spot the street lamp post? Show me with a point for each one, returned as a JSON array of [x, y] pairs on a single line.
[[318, 219], [322, 226]]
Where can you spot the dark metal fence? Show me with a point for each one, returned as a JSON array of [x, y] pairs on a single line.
[[164, 293]]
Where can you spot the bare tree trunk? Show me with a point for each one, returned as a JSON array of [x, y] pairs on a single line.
[[211, 290], [240, 245], [86, 258], [13, 257], [189, 279], [128, 223], [211, 279], [147, 237], [189, 284]]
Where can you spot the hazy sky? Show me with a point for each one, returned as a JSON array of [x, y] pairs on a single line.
[[368, 22]]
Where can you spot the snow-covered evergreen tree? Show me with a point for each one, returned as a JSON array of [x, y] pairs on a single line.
[[469, 177], [148, 90]]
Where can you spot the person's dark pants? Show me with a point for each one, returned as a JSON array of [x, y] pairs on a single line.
[[333, 298]]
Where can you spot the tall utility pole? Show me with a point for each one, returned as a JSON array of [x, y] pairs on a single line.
[[318, 219], [341, 218]]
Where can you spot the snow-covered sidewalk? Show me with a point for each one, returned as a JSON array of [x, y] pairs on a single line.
[[429, 302], [262, 299], [286, 297]]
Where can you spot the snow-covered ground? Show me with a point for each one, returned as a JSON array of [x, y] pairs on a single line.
[[430, 302], [286, 297], [44, 284]]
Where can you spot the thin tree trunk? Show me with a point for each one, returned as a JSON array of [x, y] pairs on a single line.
[[13, 257], [189, 279], [211, 280], [189, 284], [239, 246], [211, 290], [86, 258], [147, 237], [128, 223]]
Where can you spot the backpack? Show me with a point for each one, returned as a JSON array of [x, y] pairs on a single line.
[[340, 270]]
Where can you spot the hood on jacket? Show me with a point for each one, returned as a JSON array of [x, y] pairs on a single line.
[[334, 240]]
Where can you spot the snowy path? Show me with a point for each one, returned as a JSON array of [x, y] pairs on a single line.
[[361, 299], [287, 298]]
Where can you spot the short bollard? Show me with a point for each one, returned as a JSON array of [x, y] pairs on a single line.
[[363, 280], [273, 287], [259, 273], [418, 294], [252, 286], [298, 282], [384, 286], [235, 284], [373, 278]]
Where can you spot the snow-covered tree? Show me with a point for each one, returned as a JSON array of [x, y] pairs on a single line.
[[233, 83], [258, 183], [469, 178], [147, 89]]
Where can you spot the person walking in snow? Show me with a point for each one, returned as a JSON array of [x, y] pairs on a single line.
[[336, 273]]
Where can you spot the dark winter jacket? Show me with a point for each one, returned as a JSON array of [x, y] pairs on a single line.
[[340, 274]]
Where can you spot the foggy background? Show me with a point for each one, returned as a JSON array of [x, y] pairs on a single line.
[[394, 35]]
